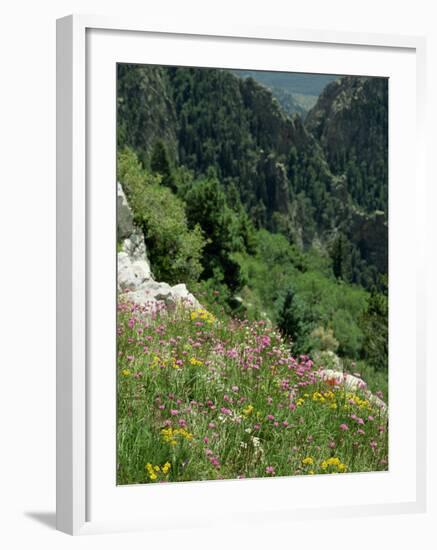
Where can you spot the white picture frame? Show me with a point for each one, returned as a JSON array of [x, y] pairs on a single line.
[[75, 290]]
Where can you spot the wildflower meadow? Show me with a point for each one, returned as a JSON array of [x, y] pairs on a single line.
[[206, 397]]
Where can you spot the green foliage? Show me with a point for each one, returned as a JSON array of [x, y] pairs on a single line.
[[292, 321], [145, 113], [375, 328], [322, 339], [174, 249], [206, 206], [348, 333], [160, 164], [351, 122], [341, 258]]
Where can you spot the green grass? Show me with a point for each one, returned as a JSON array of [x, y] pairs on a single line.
[[203, 398]]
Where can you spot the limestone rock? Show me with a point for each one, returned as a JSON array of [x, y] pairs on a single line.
[[125, 224], [181, 293], [152, 291], [134, 276]]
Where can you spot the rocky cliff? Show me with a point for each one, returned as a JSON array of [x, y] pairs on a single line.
[[350, 121], [135, 278]]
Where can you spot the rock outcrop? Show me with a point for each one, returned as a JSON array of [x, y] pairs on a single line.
[[134, 276]]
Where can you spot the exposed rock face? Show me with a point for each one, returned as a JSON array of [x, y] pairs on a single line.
[[132, 273], [350, 121], [135, 279], [138, 88]]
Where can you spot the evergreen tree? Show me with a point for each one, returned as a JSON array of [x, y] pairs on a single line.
[[206, 206], [160, 164], [341, 258], [292, 323], [375, 328]]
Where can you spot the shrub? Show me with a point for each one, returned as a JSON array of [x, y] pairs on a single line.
[[175, 251], [323, 340]]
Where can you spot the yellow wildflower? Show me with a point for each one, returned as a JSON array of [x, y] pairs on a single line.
[[334, 462], [125, 372], [170, 435], [356, 400], [154, 471], [247, 411], [307, 461], [155, 362], [185, 433], [151, 472], [202, 315]]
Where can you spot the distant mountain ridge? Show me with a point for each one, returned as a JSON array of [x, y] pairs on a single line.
[[296, 92]]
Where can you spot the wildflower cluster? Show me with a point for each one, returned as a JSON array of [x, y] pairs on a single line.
[[170, 435], [157, 472], [354, 399], [333, 464], [202, 315]]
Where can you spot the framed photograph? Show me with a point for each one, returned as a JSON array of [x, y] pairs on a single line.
[[241, 272]]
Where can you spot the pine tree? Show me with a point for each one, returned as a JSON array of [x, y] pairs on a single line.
[[341, 258], [291, 321], [160, 164], [375, 328]]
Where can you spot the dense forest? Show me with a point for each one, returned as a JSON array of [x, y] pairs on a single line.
[[261, 211]]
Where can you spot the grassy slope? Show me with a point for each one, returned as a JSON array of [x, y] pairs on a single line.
[[202, 398]]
